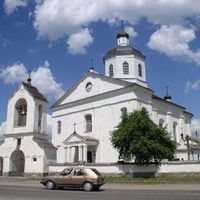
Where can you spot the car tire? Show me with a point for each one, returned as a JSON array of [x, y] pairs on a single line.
[[87, 186], [50, 185]]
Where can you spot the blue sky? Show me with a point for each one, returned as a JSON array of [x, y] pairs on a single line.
[[56, 39]]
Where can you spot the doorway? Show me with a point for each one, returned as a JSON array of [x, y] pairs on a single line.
[[17, 161], [89, 157]]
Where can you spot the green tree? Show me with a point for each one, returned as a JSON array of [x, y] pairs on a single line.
[[138, 138]]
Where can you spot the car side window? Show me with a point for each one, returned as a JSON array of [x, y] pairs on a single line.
[[78, 172], [66, 171]]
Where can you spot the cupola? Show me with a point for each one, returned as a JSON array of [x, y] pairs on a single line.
[[122, 37], [125, 62]]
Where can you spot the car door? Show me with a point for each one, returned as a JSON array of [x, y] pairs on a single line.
[[64, 178], [77, 177]]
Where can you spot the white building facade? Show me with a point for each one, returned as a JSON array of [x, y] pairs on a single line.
[[85, 116]]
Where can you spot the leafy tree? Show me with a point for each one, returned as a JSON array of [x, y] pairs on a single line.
[[138, 137]]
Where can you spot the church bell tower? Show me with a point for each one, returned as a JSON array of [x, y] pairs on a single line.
[[26, 110]]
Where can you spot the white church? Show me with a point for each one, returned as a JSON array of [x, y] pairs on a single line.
[[85, 116]]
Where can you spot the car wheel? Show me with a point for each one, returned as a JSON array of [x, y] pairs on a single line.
[[88, 186], [50, 185]]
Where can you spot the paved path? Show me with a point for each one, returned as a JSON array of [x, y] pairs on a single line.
[[21, 181]]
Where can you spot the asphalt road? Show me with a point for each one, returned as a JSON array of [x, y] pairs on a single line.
[[10, 192]]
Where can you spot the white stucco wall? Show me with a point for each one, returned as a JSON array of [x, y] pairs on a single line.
[[30, 150], [171, 167], [133, 62]]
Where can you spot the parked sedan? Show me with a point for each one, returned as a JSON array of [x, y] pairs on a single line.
[[78, 177]]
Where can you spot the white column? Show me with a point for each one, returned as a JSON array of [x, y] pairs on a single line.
[[169, 123], [69, 154], [85, 153], [80, 158]]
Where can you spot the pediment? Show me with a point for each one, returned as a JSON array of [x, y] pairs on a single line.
[[74, 138], [91, 84]]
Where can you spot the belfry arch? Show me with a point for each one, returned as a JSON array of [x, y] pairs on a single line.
[[20, 116], [17, 163]]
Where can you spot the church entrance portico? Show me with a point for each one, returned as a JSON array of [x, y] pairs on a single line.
[[80, 149], [76, 153], [17, 163]]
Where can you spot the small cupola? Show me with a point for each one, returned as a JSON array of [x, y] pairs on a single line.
[[91, 68], [167, 97], [122, 37], [29, 78]]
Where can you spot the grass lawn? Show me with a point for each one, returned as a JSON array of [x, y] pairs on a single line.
[[156, 180]]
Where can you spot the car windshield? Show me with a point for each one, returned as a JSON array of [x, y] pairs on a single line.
[[96, 172]]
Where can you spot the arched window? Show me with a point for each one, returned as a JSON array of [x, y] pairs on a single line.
[[59, 125], [20, 113], [88, 123], [140, 70], [174, 130], [161, 123], [40, 116], [125, 68], [111, 72]]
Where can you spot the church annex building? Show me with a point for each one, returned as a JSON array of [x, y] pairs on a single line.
[[85, 116]]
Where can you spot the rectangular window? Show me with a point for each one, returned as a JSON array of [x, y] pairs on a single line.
[[88, 123], [88, 127], [59, 124], [18, 141], [34, 159], [111, 72]]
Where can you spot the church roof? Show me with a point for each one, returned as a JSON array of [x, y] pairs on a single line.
[[123, 50], [44, 142], [34, 92], [122, 34], [161, 99]]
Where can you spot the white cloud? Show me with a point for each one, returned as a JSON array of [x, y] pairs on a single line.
[[173, 40], [11, 5], [78, 42], [192, 86], [13, 73], [42, 78], [56, 18], [3, 41], [130, 30]]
